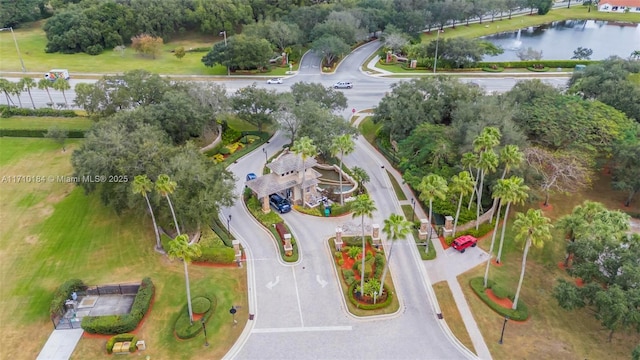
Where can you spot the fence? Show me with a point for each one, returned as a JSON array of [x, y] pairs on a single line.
[[66, 317]]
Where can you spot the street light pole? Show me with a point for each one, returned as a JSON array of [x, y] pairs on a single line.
[[413, 214], [435, 61], [504, 324], [204, 329], [224, 33], [24, 70], [228, 226], [264, 150]]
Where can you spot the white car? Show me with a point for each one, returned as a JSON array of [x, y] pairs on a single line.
[[343, 85], [274, 81]]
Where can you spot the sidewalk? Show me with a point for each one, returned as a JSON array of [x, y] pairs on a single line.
[[60, 345], [452, 270]]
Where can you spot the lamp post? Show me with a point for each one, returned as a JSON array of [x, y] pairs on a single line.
[[224, 33], [504, 324], [204, 329], [229, 226], [233, 311], [435, 61], [264, 150], [413, 214], [24, 70]]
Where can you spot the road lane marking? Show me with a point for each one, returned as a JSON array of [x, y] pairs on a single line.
[[302, 329], [322, 283], [271, 284], [295, 283]]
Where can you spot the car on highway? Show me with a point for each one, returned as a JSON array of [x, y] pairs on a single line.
[[343, 85], [463, 242], [275, 81], [279, 203]]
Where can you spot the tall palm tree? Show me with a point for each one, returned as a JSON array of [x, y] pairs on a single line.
[[363, 206], [432, 187], [488, 162], [515, 192], [180, 248], [360, 176], [305, 148], [61, 85], [468, 160], [461, 184], [511, 157], [535, 229], [395, 227], [499, 191], [45, 84], [16, 89], [342, 145], [28, 84], [6, 87], [143, 186], [165, 186]]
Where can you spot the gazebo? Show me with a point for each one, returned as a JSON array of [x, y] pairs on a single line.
[[286, 178]]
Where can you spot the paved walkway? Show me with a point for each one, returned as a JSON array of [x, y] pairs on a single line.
[[60, 345]]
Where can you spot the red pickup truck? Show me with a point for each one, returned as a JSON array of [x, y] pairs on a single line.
[[463, 242]]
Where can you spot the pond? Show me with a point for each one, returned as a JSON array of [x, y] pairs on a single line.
[[559, 39]]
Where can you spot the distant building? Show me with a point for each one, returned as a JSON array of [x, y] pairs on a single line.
[[619, 6]]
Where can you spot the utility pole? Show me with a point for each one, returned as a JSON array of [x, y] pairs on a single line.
[[24, 70]]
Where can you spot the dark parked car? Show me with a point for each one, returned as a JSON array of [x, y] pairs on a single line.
[[279, 203], [463, 242]]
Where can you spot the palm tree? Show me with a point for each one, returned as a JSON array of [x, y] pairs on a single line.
[[515, 192], [395, 227], [360, 175], [6, 87], [468, 160], [535, 229], [180, 248], [488, 162], [342, 145], [165, 186], [62, 85], [461, 184], [305, 148], [16, 89], [363, 206], [431, 187], [28, 83], [499, 190], [45, 84], [143, 186], [511, 157]]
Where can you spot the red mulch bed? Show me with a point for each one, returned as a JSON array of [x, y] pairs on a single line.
[[348, 262], [505, 303], [495, 263], [215, 265], [443, 242], [579, 282], [547, 207], [197, 317]]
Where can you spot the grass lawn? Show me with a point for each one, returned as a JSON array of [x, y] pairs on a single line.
[[32, 42], [368, 129], [451, 314], [396, 187], [45, 122], [52, 232]]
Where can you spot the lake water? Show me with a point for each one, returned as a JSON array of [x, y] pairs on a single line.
[[559, 39]]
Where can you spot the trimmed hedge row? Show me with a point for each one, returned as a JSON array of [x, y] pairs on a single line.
[[531, 63], [359, 305], [38, 133], [183, 328], [122, 338], [521, 313], [118, 324], [483, 229], [6, 111], [63, 293]]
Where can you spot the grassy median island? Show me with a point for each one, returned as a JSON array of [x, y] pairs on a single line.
[[52, 232]]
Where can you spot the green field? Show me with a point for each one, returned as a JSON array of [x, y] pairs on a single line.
[[52, 232], [44, 123], [32, 42]]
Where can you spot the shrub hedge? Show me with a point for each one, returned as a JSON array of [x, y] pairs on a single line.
[[531, 63], [63, 293], [359, 305], [542, 69], [6, 111], [184, 329], [121, 338], [200, 305], [483, 229], [38, 133], [490, 69], [521, 313], [118, 324], [217, 255]]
